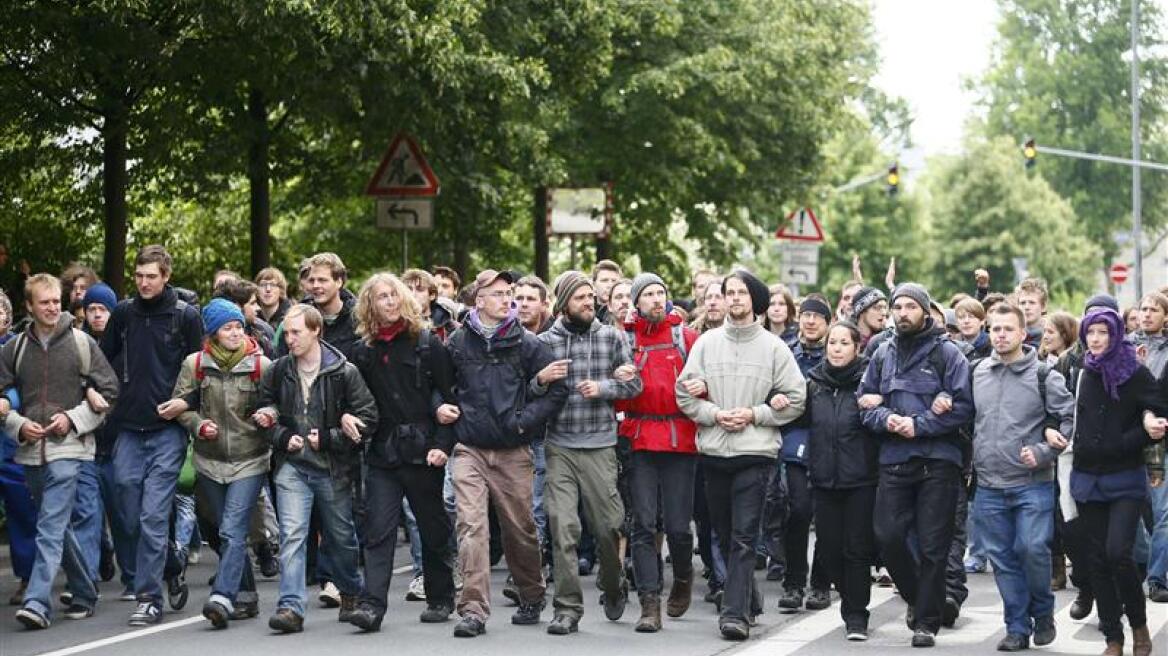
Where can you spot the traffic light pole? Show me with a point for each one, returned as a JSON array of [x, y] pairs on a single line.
[[1078, 154]]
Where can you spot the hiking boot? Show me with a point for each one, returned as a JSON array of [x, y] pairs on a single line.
[[365, 617], [285, 620], [791, 601], [348, 605], [734, 629], [614, 605], [650, 621], [1081, 606], [1014, 642], [330, 596], [818, 599], [436, 614], [1044, 631], [417, 589], [528, 613], [217, 613], [924, 638], [1141, 641], [32, 619], [563, 625], [680, 596], [1113, 649], [469, 626], [145, 614]]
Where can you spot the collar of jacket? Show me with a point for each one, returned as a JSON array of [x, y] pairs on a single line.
[[743, 333], [1029, 357]]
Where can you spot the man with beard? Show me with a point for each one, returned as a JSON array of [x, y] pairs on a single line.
[[728, 379], [580, 447], [921, 457], [712, 310]]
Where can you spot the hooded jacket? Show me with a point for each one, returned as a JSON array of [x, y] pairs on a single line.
[[146, 341], [502, 404], [1010, 416], [902, 371], [595, 354], [653, 421], [841, 451], [50, 381], [228, 398], [742, 366], [337, 390]]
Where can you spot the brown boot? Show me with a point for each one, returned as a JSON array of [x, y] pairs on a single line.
[[1141, 641], [650, 621], [680, 594], [1113, 649], [348, 605], [1058, 574]]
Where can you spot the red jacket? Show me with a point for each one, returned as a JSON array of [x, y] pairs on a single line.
[[653, 421]]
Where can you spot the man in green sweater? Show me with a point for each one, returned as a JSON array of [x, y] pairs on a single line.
[[740, 384]]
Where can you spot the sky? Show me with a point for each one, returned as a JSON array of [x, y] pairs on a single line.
[[928, 49]]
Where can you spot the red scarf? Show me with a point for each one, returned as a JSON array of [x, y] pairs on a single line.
[[390, 332]]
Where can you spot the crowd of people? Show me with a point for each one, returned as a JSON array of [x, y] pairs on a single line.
[[591, 421]]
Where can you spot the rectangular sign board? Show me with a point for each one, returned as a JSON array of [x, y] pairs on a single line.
[[405, 213]]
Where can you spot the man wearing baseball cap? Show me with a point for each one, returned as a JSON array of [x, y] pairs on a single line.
[[921, 457]]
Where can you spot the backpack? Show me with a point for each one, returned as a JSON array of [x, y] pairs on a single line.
[[678, 333], [79, 338]]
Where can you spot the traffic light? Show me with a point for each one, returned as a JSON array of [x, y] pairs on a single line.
[[893, 179], [1030, 152]]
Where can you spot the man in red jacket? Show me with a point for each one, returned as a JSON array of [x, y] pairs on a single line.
[[664, 455]]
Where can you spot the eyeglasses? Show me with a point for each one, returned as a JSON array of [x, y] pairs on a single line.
[[500, 294]]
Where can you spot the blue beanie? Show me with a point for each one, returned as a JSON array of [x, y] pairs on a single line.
[[100, 293], [220, 312]]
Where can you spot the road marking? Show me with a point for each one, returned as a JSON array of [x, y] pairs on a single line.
[[113, 640], [789, 638]]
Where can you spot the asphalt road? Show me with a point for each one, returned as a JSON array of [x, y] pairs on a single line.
[[186, 633]]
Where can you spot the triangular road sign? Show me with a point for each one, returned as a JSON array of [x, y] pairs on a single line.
[[801, 225], [403, 171]]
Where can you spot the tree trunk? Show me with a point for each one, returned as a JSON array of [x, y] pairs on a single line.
[[114, 181], [462, 258], [259, 180], [539, 229]]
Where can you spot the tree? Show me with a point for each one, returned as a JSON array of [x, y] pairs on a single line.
[[985, 211]]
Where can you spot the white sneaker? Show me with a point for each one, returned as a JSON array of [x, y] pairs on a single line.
[[330, 596], [417, 590]]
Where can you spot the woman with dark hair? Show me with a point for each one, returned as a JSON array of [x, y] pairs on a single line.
[[781, 317], [1119, 411]]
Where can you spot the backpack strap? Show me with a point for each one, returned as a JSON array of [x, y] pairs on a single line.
[[1043, 373], [83, 352], [21, 342], [257, 373], [199, 375], [425, 338], [679, 340]]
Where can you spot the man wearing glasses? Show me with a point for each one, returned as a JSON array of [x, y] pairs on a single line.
[[506, 393]]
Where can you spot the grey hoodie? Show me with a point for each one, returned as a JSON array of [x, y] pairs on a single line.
[[1009, 415]]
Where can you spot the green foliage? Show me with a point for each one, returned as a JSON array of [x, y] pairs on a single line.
[[986, 210]]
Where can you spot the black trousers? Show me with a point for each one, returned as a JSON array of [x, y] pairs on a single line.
[[661, 484], [955, 580], [1110, 530], [845, 544], [422, 486], [797, 532], [918, 497], [736, 496]]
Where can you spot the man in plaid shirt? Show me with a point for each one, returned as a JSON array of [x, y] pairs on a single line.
[[594, 359]]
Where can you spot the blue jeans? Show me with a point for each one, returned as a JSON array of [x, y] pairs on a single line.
[[539, 458], [88, 517], [1017, 525], [1158, 554], [20, 513], [231, 505], [146, 466], [54, 490], [296, 489], [185, 526], [121, 529]]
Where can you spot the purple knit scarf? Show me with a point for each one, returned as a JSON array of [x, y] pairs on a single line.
[[1117, 364]]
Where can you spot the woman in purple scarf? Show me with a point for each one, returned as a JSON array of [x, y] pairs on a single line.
[[1119, 410]]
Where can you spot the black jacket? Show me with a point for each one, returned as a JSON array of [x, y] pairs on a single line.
[[341, 332], [408, 382], [337, 390], [146, 342], [502, 406], [842, 452], [1109, 434]]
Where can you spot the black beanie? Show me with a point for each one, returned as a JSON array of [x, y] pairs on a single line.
[[760, 295], [864, 299]]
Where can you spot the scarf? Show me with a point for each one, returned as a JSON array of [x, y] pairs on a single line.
[[225, 358], [842, 377], [388, 333], [1117, 364]]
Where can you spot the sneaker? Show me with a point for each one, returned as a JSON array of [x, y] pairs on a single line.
[[528, 613], [818, 599], [563, 625], [734, 629], [145, 614], [285, 620], [924, 638], [436, 614], [32, 619], [417, 589], [128, 595], [857, 633], [1044, 631], [78, 612], [177, 592], [1158, 592], [975, 565], [66, 598], [791, 601], [469, 626], [1014, 642], [216, 613], [330, 596], [950, 612]]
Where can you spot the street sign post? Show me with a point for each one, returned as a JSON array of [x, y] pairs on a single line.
[[405, 213], [801, 225], [800, 263], [405, 187]]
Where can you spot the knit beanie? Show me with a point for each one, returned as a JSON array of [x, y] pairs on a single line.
[[218, 313], [815, 305], [642, 281], [100, 293], [566, 288], [1101, 301], [865, 298], [914, 291], [760, 295]]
